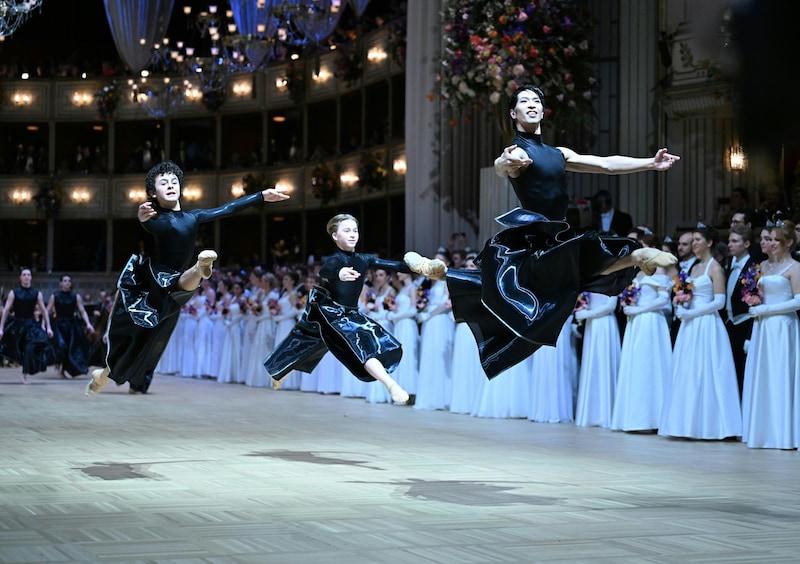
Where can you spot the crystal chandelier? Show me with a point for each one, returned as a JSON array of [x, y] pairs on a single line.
[[13, 13]]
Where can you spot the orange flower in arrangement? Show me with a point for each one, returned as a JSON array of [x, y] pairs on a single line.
[[682, 288], [389, 303], [751, 293], [274, 306]]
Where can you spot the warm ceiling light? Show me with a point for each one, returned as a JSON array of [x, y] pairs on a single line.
[[737, 158], [80, 196], [20, 196], [376, 55], [348, 178], [279, 119], [399, 165]]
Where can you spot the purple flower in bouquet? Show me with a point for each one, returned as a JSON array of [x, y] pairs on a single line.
[[751, 293]]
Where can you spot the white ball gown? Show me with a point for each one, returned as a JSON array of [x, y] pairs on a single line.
[[329, 374], [230, 363], [599, 363], [377, 392], [285, 319], [406, 331], [554, 379], [645, 365], [434, 387], [506, 395], [702, 400], [204, 339], [771, 392], [468, 376], [263, 343]]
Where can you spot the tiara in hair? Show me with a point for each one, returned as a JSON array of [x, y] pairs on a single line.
[[701, 225], [778, 223]]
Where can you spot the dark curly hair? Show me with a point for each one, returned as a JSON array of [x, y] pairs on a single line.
[[166, 167]]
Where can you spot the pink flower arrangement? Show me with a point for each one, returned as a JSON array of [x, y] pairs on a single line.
[[582, 302], [274, 306], [492, 48], [422, 299], [751, 293]]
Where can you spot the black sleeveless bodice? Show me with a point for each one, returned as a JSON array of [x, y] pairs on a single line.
[[542, 187], [25, 302], [65, 304]]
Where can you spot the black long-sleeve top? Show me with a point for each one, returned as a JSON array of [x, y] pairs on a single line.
[[347, 293], [175, 232]]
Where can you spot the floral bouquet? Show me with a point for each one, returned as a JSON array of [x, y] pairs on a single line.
[[325, 183], [301, 301], [255, 306], [273, 306], [751, 293], [389, 303], [369, 300], [582, 302], [422, 299], [107, 98], [682, 287], [630, 295], [371, 172]]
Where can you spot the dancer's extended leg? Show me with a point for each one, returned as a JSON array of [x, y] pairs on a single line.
[[201, 270], [375, 369]]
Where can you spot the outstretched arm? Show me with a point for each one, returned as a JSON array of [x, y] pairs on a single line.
[[512, 162], [617, 164], [6, 309]]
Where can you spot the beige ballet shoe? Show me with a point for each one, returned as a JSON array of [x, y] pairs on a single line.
[[650, 259], [399, 395], [99, 379], [205, 263], [434, 269]]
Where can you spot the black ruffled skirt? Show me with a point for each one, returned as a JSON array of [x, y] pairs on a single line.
[[72, 347], [26, 343], [529, 279], [325, 326], [143, 318]]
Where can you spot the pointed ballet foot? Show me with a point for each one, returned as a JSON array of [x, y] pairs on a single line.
[[398, 394], [650, 259], [205, 263], [99, 379], [23, 379], [434, 269]]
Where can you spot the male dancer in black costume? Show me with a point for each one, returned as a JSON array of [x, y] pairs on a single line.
[[532, 272], [150, 293], [72, 347]]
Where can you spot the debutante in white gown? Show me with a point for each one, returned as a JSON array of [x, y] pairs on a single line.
[[406, 331], [230, 364], [204, 338], [218, 340], [285, 320], [645, 366], [599, 363], [187, 332], [771, 391], [434, 387], [554, 379], [329, 374], [703, 396], [377, 392], [468, 376], [506, 395], [263, 343]]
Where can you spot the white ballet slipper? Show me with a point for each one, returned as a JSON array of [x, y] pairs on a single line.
[[650, 259], [434, 269], [205, 263], [99, 379]]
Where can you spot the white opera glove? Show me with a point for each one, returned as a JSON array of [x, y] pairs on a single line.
[[774, 309], [685, 314], [659, 303], [598, 307]]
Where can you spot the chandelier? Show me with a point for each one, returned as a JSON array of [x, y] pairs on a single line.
[[14, 13]]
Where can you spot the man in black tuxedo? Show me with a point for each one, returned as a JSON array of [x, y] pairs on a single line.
[[737, 321], [746, 217], [607, 220]]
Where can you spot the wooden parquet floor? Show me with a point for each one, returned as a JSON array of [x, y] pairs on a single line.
[[203, 472]]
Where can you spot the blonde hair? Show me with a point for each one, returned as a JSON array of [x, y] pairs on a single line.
[[337, 220]]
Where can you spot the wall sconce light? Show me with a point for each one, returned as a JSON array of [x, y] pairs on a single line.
[[191, 194], [81, 99], [376, 55], [737, 158], [20, 196], [80, 196], [137, 195], [193, 94], [237, 190], [22, 99], [281, 83], [399, 165], [348, 178], [323, 76], [242, 88], [284, 185]]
